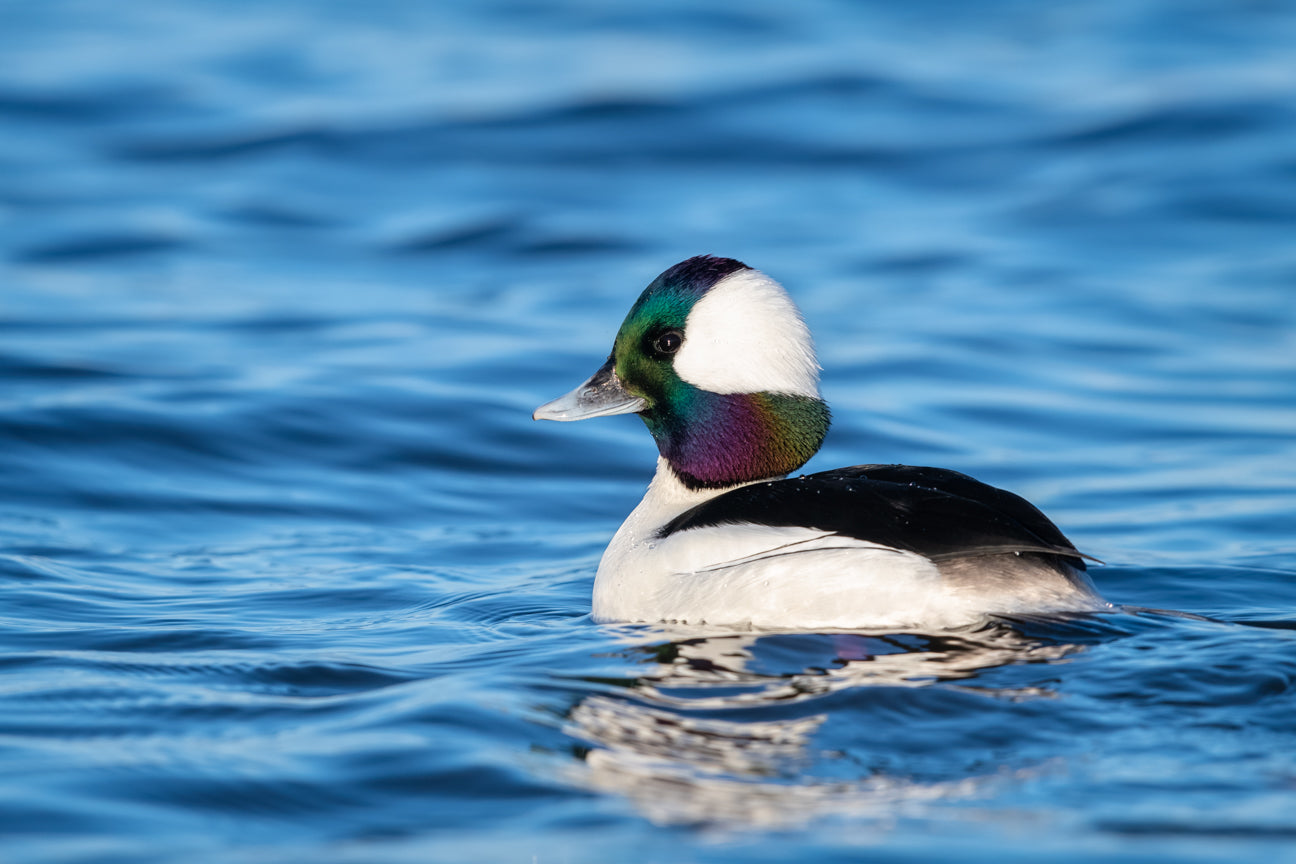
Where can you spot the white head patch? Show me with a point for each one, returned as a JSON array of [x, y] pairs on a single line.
[[746, 336]]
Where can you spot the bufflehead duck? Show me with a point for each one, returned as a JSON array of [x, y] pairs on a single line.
[[716, 359]]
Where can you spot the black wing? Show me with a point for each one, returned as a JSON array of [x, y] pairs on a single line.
[[935, 512]]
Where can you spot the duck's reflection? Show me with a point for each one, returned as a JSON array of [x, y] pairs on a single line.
[[724, 729]]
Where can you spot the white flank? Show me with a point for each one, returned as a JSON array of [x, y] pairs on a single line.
[[746, 336], [768, 578]]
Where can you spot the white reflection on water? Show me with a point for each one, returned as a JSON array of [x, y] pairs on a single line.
[[657, 747]]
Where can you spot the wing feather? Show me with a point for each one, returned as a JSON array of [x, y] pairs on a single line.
[[934, 512]]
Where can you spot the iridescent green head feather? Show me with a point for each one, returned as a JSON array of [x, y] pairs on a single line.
[[715, 358]]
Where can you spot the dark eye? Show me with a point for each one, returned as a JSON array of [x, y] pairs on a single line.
[[667, 343]]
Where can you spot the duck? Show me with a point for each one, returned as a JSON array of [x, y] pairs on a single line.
[[718, 362]]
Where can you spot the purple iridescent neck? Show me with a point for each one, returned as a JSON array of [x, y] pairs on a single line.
[[715, 440]]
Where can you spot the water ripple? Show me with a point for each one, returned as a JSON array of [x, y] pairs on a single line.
[[288, 573]]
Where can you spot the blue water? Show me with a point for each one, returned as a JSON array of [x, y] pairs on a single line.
[[288, 574]]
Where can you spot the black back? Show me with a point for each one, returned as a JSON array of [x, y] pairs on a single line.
[[934, 512]]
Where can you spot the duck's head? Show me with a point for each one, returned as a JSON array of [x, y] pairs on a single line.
[[716, 359]]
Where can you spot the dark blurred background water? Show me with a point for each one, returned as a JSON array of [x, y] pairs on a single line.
[[287, 573]]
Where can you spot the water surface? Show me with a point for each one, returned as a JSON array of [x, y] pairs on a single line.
[[288, 573]]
